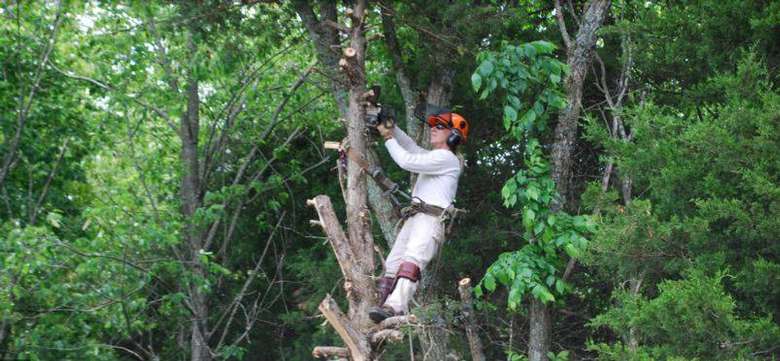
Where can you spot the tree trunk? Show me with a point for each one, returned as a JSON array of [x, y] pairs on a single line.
[[190, 202], [433, 340], [579, 55], [541, 327], [354, 248], [470, 321]]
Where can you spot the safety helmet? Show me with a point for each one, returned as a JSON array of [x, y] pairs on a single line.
[[451, 120]]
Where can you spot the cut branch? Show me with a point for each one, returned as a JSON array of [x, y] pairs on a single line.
[[336, 236], [359, 349], [475, 345], [398, 321], [330, 351], [382, 336]]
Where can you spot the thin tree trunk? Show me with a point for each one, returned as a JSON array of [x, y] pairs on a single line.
[[635, 283], [540, 330], [579, 56], [191, 200], [433, 340], [470, 321]]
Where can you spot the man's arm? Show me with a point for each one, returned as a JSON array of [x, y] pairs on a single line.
[[427, 162]]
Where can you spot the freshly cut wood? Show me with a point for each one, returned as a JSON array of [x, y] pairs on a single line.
[[350, 52], [332, 145], [475, 345], [330, 352]]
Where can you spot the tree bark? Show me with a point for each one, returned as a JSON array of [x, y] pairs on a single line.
[[354, 248], [540, 330], [433, 340], [470, 322], [579, 55], [190, 202]]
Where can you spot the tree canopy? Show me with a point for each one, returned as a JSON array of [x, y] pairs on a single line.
[[622, 176]]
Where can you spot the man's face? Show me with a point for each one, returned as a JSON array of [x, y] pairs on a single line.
[[439, 134]]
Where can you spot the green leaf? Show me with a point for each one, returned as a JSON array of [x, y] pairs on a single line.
[[510, 116], [476, 81], [528, 118], [533, 193], [538, 228], [486, 68], [515, 296], [490, 282], [514, 101], [571, 250], [543, 47]]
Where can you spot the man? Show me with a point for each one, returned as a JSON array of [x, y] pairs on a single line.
[[423, 232]]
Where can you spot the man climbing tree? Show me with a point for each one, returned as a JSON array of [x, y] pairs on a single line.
[[423, 229]]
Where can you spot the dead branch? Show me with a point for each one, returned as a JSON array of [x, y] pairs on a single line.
[[336, 236], [562, 25], [356, 342]]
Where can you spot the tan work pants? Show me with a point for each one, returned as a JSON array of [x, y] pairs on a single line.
[[419, 240]]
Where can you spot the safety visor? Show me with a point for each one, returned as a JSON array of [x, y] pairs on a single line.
[[443, 119]]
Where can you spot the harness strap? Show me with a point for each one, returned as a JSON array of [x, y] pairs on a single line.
[[386, 184]]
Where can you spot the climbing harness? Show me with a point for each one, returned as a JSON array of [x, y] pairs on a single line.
[[387, 185], [446, 215]]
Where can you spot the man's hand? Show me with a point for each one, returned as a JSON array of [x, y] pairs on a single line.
[[384, 132]]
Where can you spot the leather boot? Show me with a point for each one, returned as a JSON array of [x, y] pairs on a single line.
[[379, 314], [385, 286]]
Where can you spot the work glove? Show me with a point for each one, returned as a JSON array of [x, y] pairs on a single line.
[[384, 132]]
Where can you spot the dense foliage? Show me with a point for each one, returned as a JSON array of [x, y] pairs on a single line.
[[155, 158]]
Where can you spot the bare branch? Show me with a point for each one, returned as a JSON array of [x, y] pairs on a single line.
[[398, 321], [356, 342], [34, 211], [26, 103], [382, 336], [240, 295], [134, 98], [562, 25]]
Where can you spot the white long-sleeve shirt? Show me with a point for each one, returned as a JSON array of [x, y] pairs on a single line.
[[438, 169]]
